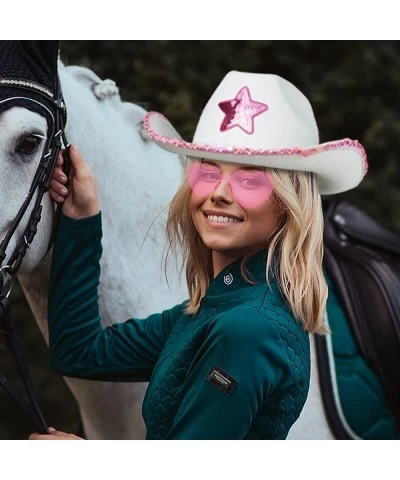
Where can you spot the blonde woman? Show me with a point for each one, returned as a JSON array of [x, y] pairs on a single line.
[[233, 361]]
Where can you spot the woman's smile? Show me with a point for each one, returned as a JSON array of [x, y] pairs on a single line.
[[221, 219]]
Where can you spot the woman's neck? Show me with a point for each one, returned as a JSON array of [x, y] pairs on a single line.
[[221, 260]]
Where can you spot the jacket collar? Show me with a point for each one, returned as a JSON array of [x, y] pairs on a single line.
[[230, 278]]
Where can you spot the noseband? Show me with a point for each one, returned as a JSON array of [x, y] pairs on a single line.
[[40, 184]]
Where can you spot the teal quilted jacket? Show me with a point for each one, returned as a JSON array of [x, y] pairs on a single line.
[[238, 369]]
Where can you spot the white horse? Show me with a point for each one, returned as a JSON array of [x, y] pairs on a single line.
[[136, 180]]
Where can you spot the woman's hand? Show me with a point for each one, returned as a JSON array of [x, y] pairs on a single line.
[[54, 435], [81, 200]]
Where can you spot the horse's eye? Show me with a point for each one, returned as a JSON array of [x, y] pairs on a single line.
[[29, 144]]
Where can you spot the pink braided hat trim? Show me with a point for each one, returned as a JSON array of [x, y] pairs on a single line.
[[302, 152]]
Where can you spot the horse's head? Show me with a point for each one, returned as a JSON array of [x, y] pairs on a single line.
[[27, 70], [23, 136], [129, 169]]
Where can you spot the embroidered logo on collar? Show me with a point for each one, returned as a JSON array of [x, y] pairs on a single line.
[[222, 380], [228, 279]]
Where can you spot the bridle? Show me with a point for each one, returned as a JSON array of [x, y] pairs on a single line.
[[42, 176], [40, 184]]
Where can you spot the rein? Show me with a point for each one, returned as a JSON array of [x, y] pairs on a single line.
[[40, 184]]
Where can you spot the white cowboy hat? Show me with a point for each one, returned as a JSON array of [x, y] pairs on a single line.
[[264, 120]]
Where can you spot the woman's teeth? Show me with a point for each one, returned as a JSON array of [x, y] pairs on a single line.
[[215, 218]]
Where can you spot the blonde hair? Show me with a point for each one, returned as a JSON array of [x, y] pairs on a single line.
[[296, 242]]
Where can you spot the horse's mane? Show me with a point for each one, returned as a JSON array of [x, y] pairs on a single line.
[[107, 90]]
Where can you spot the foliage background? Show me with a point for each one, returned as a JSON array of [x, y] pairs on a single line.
[[352, 85]]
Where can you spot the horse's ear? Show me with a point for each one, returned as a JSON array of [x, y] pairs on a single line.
[[44, 53]]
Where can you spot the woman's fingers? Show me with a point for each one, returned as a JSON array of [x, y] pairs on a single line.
[[79, 166], [82, 200], [57, 190], [58, 187], [39, 436], [59, 175], [60, 159], [54, 435]]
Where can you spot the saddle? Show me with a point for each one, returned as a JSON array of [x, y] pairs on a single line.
[[362, 260]]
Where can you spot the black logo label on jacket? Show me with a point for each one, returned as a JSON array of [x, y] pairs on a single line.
[[222, 380]]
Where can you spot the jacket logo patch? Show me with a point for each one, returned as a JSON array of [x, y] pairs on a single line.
[[228, 279], [222, 380]]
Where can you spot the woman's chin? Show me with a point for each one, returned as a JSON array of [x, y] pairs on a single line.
[[225, 248], [218, 244]]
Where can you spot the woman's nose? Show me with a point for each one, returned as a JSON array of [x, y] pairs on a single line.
[[222, 192]]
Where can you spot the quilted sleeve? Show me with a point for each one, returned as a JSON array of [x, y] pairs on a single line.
[[241, 363], [78, 344]]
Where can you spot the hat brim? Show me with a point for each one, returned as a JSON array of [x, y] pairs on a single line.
[[339, 165]]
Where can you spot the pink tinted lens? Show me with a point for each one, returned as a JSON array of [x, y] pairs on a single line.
[[203, 178], [250, 188]]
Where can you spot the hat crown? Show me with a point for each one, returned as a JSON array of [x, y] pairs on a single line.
[[255, 110]]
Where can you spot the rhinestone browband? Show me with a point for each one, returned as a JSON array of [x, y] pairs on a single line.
[[25, 84]]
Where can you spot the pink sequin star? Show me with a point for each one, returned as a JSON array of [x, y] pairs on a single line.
[[240, 111]]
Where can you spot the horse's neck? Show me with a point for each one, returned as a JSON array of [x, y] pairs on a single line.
[[135, 181], [34, 285]]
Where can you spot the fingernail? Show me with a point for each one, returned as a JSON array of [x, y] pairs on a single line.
[[51, 430], [63, 191], [62, 178], [75, 148]]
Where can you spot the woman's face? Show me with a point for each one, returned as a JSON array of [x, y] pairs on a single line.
[[233, 207]]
